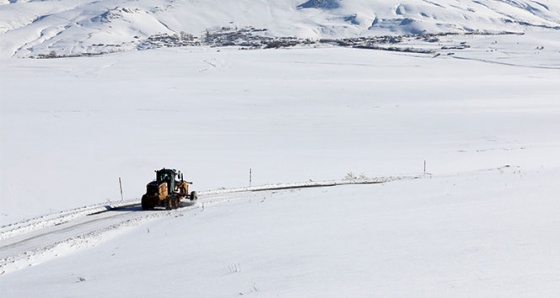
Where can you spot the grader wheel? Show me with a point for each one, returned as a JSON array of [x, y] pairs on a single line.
[[146, 203]]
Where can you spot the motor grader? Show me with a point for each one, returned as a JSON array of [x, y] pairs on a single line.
[[167, 190]]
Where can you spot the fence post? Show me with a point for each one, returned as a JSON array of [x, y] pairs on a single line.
[[120, 183]]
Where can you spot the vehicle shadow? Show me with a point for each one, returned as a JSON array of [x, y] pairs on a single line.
[[138, 207]]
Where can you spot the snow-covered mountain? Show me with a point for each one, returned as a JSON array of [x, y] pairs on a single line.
[[71, 27]]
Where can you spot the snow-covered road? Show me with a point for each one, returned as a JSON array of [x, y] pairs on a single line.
[[40, 238]]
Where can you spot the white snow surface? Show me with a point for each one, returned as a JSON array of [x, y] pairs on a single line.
[[336, 139]]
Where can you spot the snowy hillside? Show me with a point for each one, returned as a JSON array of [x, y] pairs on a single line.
[[31, 28]]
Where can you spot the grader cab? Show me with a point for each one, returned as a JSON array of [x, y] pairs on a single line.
[[167, 190]]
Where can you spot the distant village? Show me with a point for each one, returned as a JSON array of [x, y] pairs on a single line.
[[250, 38]]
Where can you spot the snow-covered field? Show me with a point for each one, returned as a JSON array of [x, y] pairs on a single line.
[[483, 234], [72, 127], [482, 221]]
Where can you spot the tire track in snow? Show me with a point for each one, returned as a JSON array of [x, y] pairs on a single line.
[[30, 225]]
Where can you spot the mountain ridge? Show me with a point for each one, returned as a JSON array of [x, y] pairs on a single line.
[[32, 27]]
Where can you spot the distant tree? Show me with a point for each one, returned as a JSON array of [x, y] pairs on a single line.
[[186, 36]]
